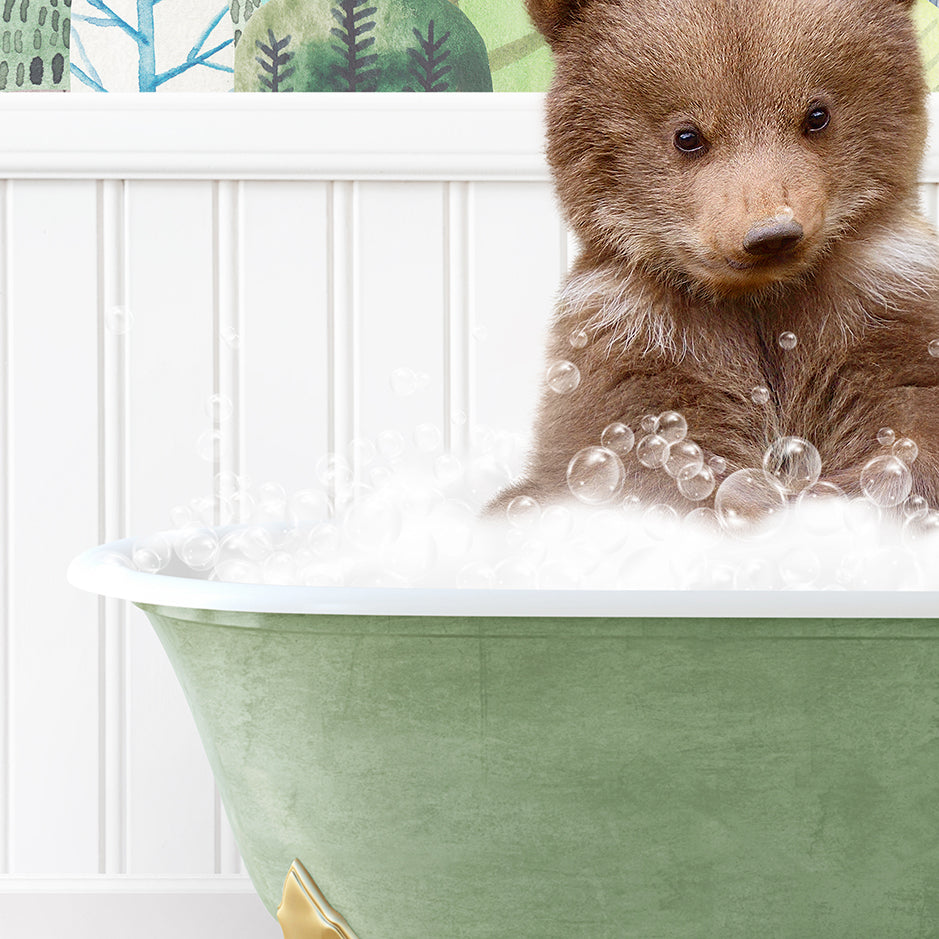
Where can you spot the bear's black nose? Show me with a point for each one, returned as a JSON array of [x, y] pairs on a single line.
[[772, 237]]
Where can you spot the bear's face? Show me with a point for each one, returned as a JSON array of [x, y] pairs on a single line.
[[727, 145]]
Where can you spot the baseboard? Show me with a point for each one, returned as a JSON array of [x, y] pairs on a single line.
[[145, 908]]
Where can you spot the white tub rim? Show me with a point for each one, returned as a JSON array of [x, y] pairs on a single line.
[[91, 571]]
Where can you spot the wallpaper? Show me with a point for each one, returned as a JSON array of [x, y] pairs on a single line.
[[290, 45]]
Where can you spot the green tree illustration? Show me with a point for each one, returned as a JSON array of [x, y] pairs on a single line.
[[427, 66]]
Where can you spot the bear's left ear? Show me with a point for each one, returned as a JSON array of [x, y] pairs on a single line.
[[550, 16], [905, 3]]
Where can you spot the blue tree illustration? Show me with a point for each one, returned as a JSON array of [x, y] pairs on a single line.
[[144, 36]]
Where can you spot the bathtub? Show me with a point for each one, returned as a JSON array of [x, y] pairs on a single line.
[[419, 764]]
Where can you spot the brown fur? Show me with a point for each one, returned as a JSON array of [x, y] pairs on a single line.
[[676, 318]]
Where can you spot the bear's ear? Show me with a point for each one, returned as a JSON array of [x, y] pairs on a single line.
[[549, 16]]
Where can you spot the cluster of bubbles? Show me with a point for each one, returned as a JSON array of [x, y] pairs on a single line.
[[405, 512]]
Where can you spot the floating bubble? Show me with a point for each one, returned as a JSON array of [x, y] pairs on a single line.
[[151, 554], [480, 333], [649, 423], [718, 464], [279, 568], [579, 338], [237, 571], [886, 436], [684, 458], [788, 341], [230, 337], [219, 407], [458, 418], [391, 444], [921, 528], [703, 520], [563, 377], [916, 507], [672, 426], [181, 516], [404, 382], [793, 464], [515, 573], [749, 503], [557, 521], [428, 438], [324, 540], [363, 451], [760, 395], [886, 481], [697, 485], [476, 576], [756, 574], [862, 516], [322, 575], [934, 348], [619, 438], [207, 445], [555, 575], [485, 476], [198, 549], [118, 320], [595, 475], [523, 512], [332, 469], [906, 450], [652, 451]]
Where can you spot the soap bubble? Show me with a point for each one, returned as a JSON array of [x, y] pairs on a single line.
[[404, 382], [322, 575], [391, 444], [428, 438], [862, 516], [523, 512], [279, 568], [181, 516], [219, 407], [916, 507], [237, 571], [579, 338], [886, 481], [363, 451], [556, 522], [476, 576], [480, 333], [697, 484], [458, 418], [788, 341], [921, 528], [412, 555], [372, 522], [792, 463], [703, 519], [118, 320], [152, 553], [749, 503], [618, 437], [934, 348], [652, 451], [756, 574], [515, 573], [595, 475], [886, 436], [672, 426], [198, 548], [486, 476], [563, 377], [230, 337], [684, 459], [553, 575], [649, 423], [207, 445], [760, 395], [324, 540], [906, 450], [718, 464], [332, 469]]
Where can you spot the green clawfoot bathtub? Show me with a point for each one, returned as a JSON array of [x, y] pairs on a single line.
[[539, 765]]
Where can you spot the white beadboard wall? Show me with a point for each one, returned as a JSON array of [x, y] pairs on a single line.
[[288, 253]]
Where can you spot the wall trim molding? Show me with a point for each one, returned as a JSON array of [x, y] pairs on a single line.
[[125, 884], [252, 136], [306, 136]]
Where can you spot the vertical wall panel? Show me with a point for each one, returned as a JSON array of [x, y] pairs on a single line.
[[170, 349], [6, 665], [518, 271], [284, 346], [53, 515], [113, 384], [403, 308]]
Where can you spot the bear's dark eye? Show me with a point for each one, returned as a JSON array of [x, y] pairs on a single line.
[[817, 119], [690, 140]]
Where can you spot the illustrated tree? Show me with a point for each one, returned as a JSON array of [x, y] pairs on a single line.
[[427, 61], [34, 44], [144, 37], [273, 62], [355, 72]]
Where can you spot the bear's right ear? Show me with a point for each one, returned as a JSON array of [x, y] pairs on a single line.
[[550, 16]]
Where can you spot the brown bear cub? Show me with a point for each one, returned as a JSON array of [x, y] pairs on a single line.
[[737, 170]]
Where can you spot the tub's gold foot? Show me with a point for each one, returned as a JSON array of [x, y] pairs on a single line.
[[304, 913]]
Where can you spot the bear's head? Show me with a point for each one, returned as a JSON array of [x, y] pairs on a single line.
[[726, 146]]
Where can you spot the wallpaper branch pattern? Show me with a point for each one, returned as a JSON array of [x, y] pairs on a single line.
[[336, 45]]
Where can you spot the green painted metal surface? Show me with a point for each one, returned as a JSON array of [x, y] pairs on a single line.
[[452, 778]]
